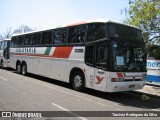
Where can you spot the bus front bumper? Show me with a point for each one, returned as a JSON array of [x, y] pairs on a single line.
[[125, 86]]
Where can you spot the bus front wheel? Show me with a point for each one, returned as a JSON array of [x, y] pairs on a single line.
[[78, 81]]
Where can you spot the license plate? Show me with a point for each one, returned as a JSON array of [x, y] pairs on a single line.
[[131, 86]]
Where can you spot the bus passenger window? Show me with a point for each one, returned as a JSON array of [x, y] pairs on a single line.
[[72, 35], [81, 34], [20, 40], [76, 34], [47, 38], [2, 45], [60, 36], [95, 32], [28, 40], [14, 41], [36, 39]]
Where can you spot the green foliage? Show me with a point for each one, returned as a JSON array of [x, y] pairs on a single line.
[[145, 14], [154, 51]]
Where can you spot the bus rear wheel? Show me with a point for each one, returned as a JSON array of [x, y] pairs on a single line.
[[19, 70], [78, 81], [24, 69]]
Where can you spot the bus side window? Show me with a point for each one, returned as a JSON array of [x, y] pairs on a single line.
[[5, 44], [72, 35], [96, 31], [14, 42], [1, 44], [76, 34], [36, 39], [28, 40], [60, 36], [81, 34], [20, 40], [47, 38], [89, 55]]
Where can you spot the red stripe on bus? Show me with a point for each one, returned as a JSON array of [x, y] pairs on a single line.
[[34, 55], [55, 54], [76, 24], [120, 74], [59, 52], [62, 52]]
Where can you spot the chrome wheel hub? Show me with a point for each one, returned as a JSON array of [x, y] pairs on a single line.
[[23, 70], [78, 81]]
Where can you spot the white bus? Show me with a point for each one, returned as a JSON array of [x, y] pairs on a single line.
[[99, 54], [4, 53]]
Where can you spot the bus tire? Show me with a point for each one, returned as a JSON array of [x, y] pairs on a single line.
[[24, 69], [19, 70], [2, 65], [78, 81]]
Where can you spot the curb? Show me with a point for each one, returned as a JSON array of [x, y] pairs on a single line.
[[153, 84]]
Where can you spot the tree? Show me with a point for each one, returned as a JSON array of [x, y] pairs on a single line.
[[6, 34], [145, 14], [21, 29]]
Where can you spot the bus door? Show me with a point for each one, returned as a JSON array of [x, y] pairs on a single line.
[[6, 56], [101, 56], [6, 53], [89, 60]]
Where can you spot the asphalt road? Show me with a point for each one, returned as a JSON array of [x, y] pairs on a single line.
[[37, 93]]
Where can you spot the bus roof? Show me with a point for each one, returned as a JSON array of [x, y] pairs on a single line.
[[6, 39], [79, 23]]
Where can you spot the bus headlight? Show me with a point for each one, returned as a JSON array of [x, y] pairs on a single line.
[[117, 79]]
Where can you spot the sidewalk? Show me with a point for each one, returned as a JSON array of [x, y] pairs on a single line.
[[151, 89]]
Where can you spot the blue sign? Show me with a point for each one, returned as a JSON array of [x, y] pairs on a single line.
[[153, 73], [153, 64]]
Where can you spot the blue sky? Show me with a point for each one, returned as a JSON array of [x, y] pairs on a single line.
[[48, 13]]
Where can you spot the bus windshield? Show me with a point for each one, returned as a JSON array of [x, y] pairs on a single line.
[[123, 32], [128, 48], [128, 56]]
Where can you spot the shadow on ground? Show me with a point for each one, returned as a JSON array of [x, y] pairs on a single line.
[[132, 99]]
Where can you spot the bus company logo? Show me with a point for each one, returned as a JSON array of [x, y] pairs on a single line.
[[99, 79], [78, 50], [26, 50], [6, 114]]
